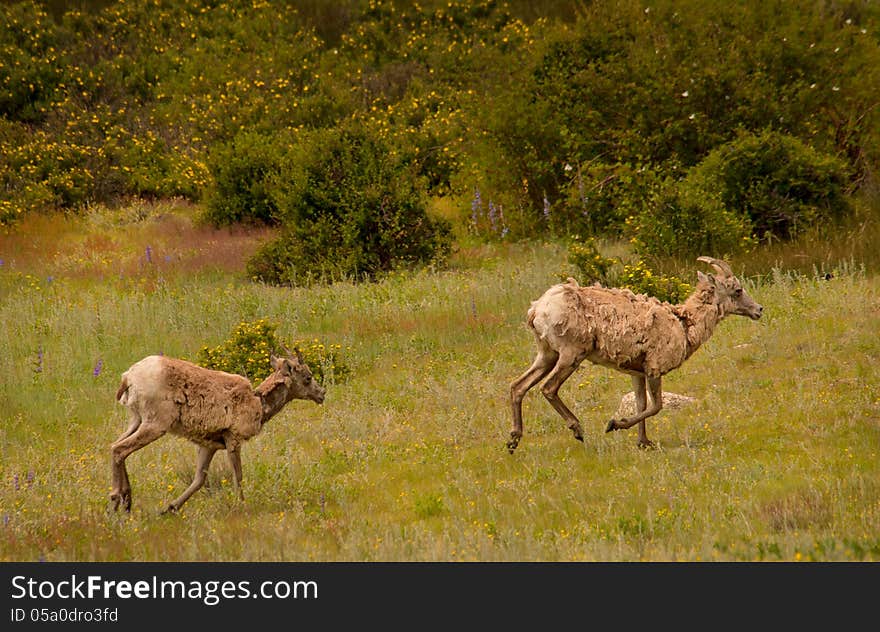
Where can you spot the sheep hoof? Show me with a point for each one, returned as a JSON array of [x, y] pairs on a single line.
[[612, 425], [646, 444], [170, 509], [514, 441]]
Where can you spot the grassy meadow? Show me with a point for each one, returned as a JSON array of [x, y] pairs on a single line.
[[406, 460]]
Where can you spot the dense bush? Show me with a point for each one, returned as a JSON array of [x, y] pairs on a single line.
[[681, 221], [661, 86], [350, 209], [248, 349], [781, 184], [564, 122], [599, 198], [639, 278], [245, 171], [593, 267]]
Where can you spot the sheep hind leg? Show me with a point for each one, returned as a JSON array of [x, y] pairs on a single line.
[[134, 423], [204, 460], [145, 434], [541, 366], [565, 366], [643, 411]]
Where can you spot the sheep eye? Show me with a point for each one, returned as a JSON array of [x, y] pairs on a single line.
[[738, 291]]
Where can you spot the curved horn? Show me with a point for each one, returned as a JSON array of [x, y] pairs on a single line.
[[720, 266]]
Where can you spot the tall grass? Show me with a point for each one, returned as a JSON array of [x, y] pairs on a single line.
[[406, 460]]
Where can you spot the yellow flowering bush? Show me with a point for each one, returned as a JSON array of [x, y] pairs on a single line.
[[639, 278], [592, 267], [251, 343]]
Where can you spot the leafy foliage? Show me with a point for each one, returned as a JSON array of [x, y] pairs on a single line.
[[351, 209], [639, 278], [248, 349], [244, 171], [781, 184], [566, 116], [593, 267], [681, 221]]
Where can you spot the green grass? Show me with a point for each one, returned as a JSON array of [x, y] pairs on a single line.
[[406, 460]]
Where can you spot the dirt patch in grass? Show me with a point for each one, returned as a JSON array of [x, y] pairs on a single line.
[[163, 238], [799, 510]]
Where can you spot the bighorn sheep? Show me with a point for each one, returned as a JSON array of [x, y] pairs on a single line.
[[631, 333], [215, 410]]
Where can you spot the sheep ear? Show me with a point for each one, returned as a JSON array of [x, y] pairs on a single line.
[[273, 361], [299, 355]]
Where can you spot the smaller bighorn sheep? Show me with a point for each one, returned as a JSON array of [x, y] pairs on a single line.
[[213, 409], [632, 333]]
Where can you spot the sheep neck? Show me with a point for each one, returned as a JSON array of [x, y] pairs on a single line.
[[699, 316], [273, 394]]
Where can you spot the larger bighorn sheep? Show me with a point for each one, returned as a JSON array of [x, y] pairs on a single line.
[[631, 333], [213, 409]]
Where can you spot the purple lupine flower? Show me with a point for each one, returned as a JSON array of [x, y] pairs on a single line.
[[30, 478], [15, 485], [546, 208], [5, 519], [473, 306], [149, 253], [38, 366], [50, 278], [493, 215], [97, 370], [476, 206]]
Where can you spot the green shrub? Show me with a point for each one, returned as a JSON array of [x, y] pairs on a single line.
[[781, 184], [679, 221], [639, 278], [250, 345], [244, 171], [599, 197], [594, 267], [350, 209], [32, 66], [591, 265]]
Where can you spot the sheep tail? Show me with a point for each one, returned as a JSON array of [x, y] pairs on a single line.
[[122, 391]]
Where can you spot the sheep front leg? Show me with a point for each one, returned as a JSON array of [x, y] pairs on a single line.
[[645, 411], [640, 391], [206, 453], [234, 454]]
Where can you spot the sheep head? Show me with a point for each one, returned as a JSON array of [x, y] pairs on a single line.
[[730, 297], [297, 376]]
